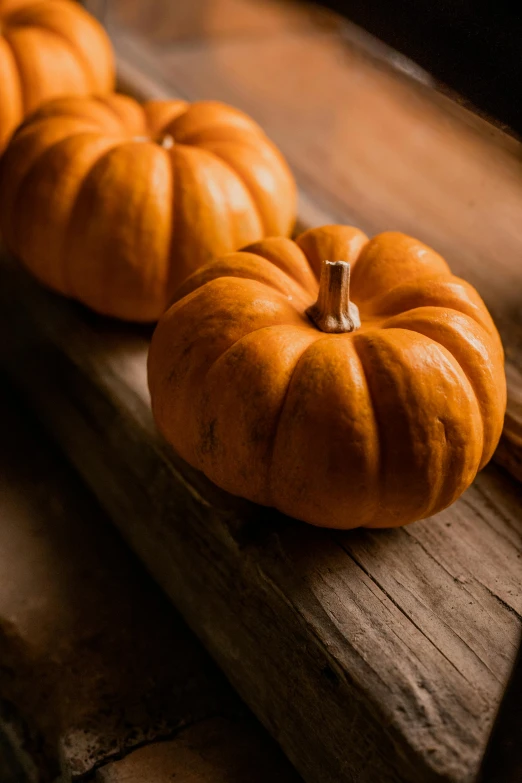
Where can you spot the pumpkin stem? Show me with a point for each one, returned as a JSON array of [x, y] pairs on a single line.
[[167, 142], [333, 312]]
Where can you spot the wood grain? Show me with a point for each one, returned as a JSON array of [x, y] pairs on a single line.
[[373, 147], [369, 655]]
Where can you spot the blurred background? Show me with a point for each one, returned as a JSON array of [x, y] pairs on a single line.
[[471, 48]]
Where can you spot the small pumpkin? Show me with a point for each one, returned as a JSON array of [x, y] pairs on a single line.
[[114, 203], [345, 381], [48, 48]]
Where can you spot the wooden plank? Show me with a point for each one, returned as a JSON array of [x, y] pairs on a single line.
[[94, 662], [368, 655], [373, 147], [203, 20]]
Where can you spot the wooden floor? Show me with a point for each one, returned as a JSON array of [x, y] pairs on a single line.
[[95, 665], [370, 656]]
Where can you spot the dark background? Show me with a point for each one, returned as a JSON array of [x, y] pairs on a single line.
[[475, 48]]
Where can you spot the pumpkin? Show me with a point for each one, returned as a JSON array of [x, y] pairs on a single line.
[[344, 381], [48, 48], [114, 203]]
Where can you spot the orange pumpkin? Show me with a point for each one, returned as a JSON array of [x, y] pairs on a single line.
[[114, 203], [375, 410], [48, 48]]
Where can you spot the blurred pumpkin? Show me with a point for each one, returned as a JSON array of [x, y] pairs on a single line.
[[48, 48], [369, 399], [114, 203]]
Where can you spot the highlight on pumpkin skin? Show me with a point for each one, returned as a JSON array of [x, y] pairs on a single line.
[[375, 426], [122, 201]]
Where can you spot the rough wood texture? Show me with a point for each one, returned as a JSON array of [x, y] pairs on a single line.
[[93, 660], [370, 146], [369, 656]]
